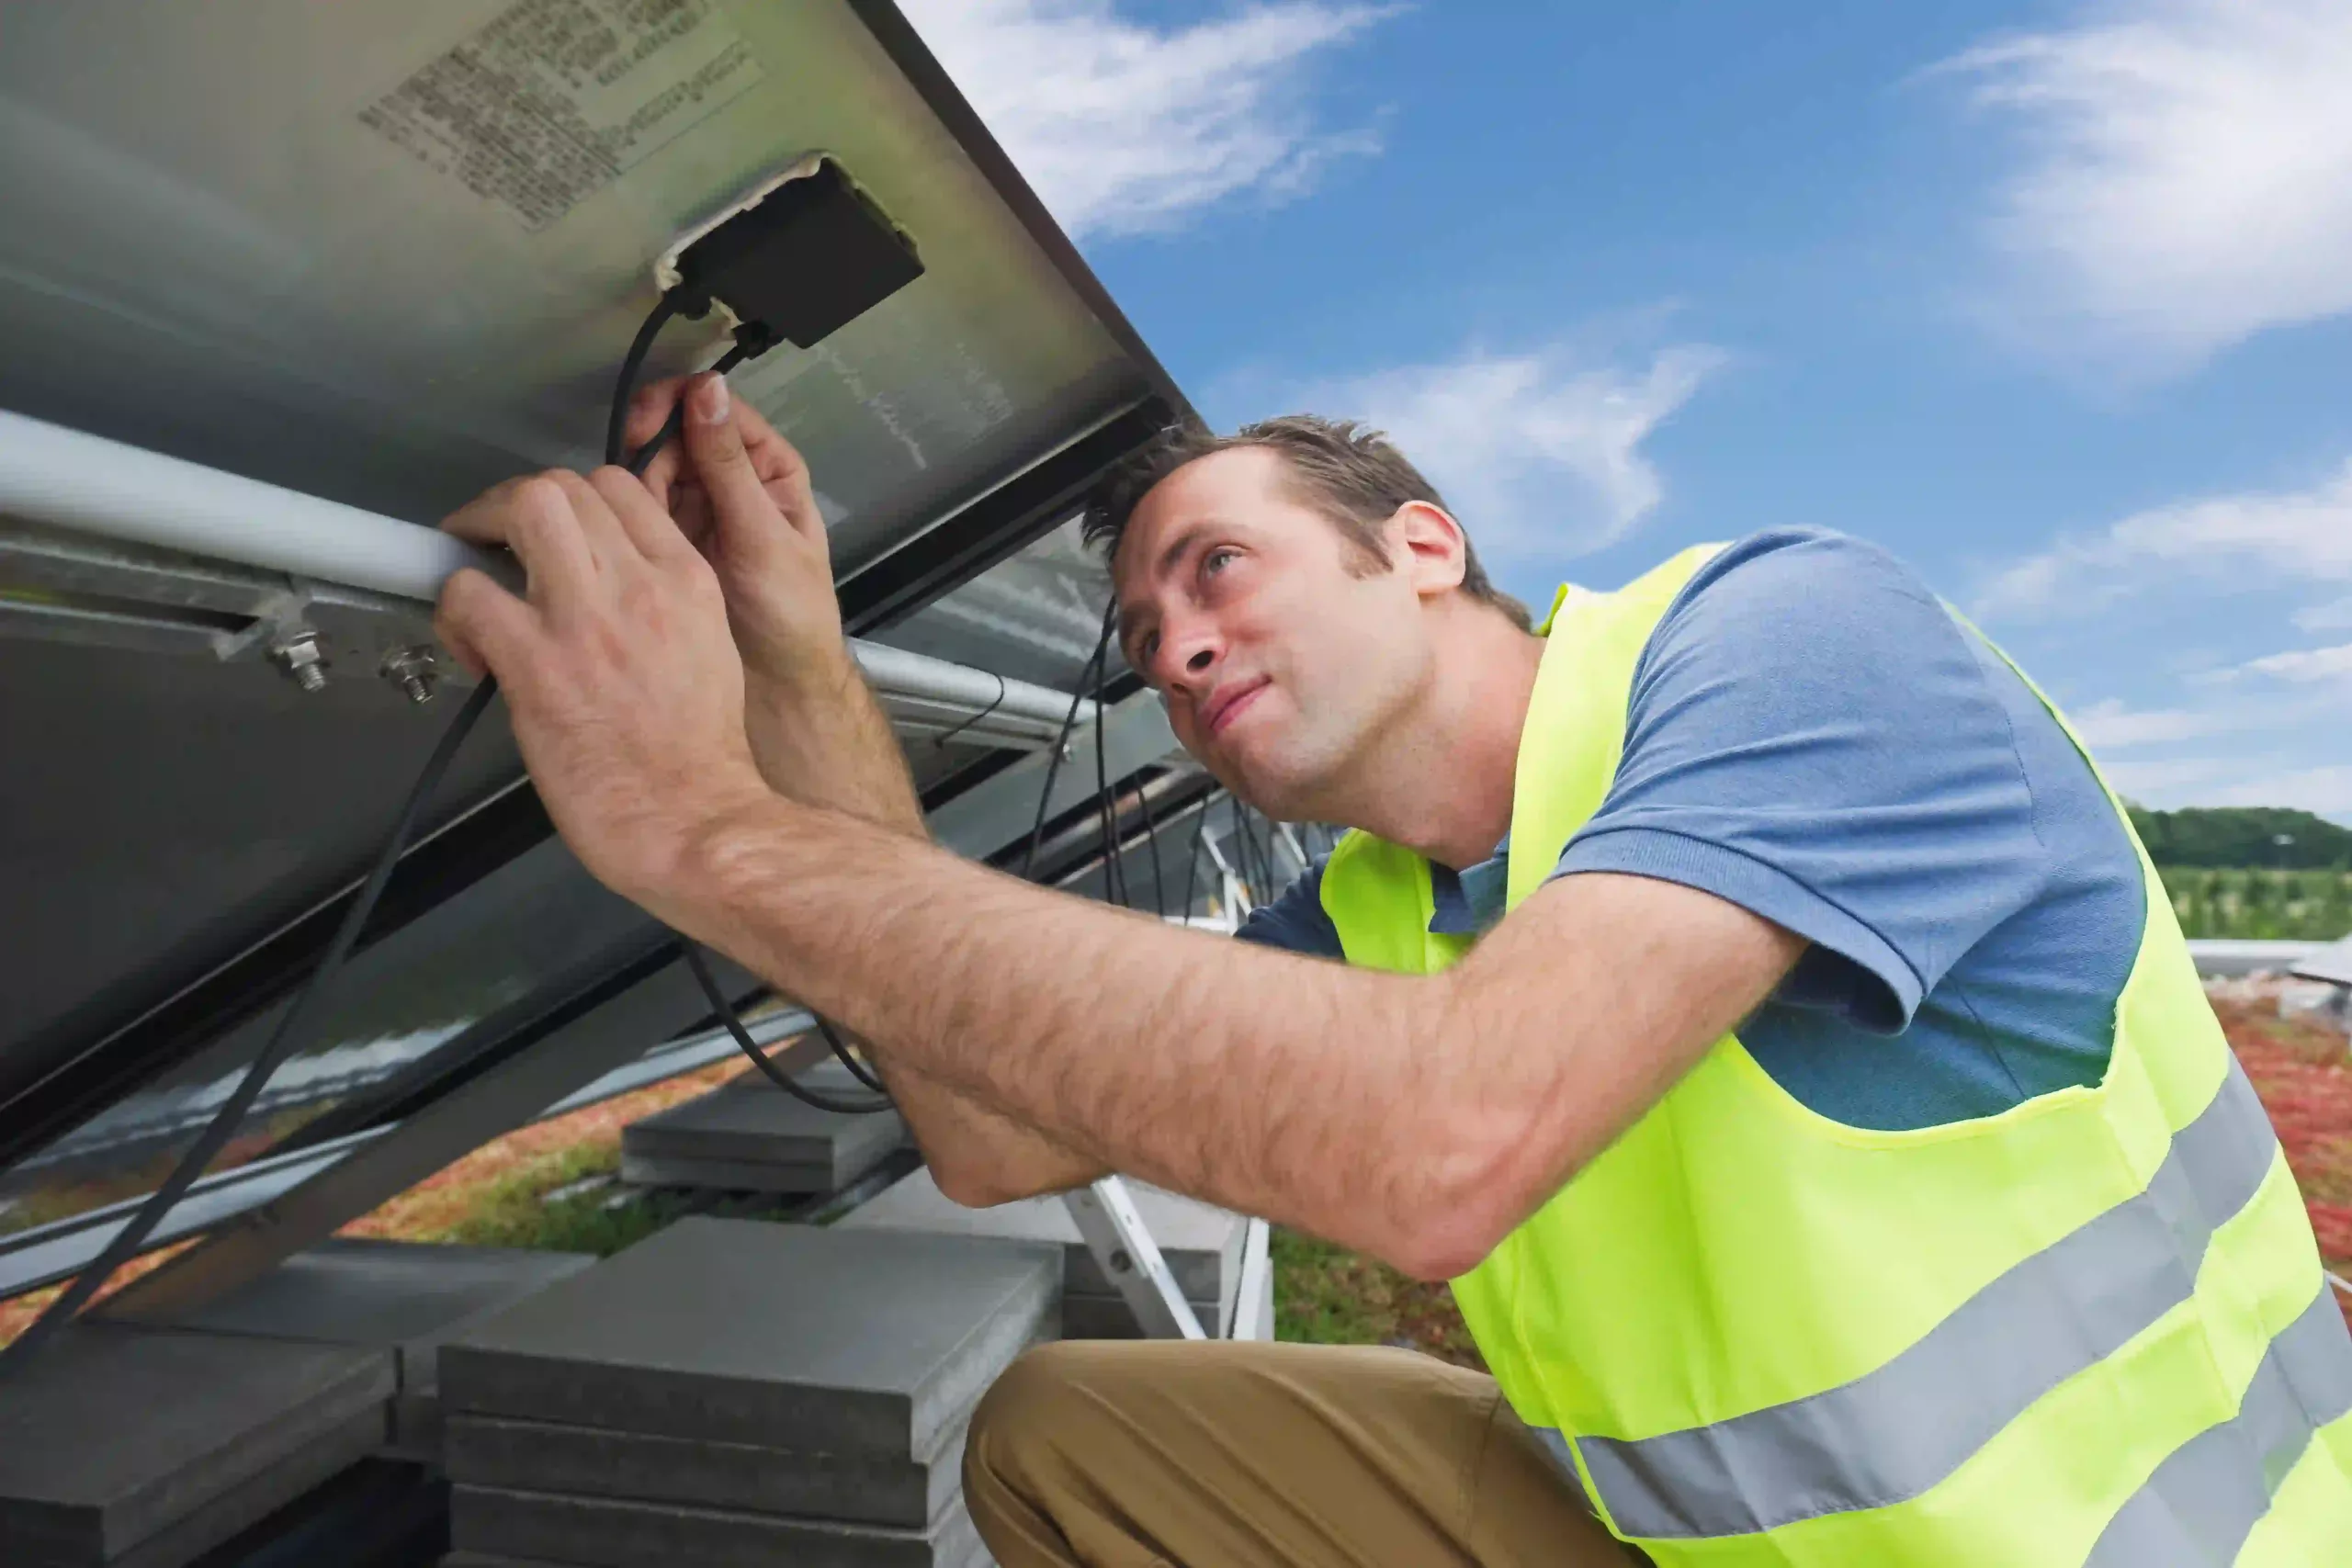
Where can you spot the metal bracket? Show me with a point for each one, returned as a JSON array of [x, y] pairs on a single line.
[[62, 587], [1253, 1294], [1237, 896], [1115, 1235]]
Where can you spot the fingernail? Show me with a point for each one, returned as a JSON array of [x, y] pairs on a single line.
[[711, 399]]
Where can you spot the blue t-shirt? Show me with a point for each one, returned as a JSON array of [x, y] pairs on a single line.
[[1812, 737]]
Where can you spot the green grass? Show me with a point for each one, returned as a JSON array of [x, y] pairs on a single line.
[[2288, 905], [1327, 1295], [514, 1212]]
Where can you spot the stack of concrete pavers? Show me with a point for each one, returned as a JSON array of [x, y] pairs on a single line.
[[751, 1136], [1200, 1241], [403, 1297], [737, 1392], [137, 1448]]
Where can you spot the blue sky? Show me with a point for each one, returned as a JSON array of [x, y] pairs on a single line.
[[2055, 300]]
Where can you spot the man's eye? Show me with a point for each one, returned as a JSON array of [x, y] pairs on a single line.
[[1148, 649], [1216, 559]]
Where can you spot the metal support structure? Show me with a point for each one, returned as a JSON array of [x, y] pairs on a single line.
[[997, 815], [45, 1254], [263, 1223], [1115, 1233], [1289, 838], [1237, 894], [127, 547], [1253, 1296], [608, 1037]]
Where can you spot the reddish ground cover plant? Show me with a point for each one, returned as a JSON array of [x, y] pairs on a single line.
[[2304, 1073]]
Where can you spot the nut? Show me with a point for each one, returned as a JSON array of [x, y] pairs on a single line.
[[416, 671], [304, 659]]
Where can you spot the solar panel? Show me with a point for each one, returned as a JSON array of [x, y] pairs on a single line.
[[2332, 964], [388, 256]]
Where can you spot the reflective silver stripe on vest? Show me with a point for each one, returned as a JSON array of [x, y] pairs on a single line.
[[2209, 1493], [1895, 1432]]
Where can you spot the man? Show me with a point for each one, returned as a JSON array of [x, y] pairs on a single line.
[[1752, 1002]]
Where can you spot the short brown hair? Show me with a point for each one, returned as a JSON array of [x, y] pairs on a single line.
[[1345, 470]]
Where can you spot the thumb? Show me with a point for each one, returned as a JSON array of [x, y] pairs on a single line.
[[485, 627], [730, 478]]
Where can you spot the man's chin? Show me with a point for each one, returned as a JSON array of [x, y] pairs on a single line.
[[1271, 791]]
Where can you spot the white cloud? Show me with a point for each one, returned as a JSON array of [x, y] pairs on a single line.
[[2174, 781], [2112, 727], [2186, 176], [2296, 535], [1537, 451], [2264, 730], [2326, 789], [2306, 666], [2333, 617], [1121, 127]]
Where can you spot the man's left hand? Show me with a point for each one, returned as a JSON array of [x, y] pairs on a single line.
[[624, 684]]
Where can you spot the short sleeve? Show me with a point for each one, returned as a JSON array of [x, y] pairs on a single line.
[[1296, 921], [1810, 734]]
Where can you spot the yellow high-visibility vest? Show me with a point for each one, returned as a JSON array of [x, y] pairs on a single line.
[[2091, 1329]]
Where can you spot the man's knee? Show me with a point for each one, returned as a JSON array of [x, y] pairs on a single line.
[[1021, 1408]]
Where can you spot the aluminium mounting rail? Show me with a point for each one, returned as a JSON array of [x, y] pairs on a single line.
[[84, 485]]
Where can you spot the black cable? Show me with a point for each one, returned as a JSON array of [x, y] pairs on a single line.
[[748, 341], [1262, 830], [1106, 805], [1193, 860], [1262, 865], [1143, 799], [994, 703], [282, 1040], [1061, 744], [677, 419], [632, 362], [1151, 839], [842, 1055], [1244, 871], [701, 967], [126, 1242]]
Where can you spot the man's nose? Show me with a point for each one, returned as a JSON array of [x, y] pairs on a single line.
[[1186, 658]]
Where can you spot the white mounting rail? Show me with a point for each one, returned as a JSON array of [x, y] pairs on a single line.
[[86, 484]]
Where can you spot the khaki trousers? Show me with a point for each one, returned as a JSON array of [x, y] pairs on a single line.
[[1118, 1454]]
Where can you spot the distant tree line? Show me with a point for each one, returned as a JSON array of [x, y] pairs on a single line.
[[2244, 836], [2270, 906]]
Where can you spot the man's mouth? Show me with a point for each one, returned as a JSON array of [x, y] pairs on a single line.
[[1226, 707]]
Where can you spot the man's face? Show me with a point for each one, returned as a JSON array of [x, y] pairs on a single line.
[[1282, 651]]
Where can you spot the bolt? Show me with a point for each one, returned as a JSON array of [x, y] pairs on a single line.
[[1121, 1262], [303, 659], [414, 671]]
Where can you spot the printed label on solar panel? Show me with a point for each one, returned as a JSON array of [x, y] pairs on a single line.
[[553, 99]]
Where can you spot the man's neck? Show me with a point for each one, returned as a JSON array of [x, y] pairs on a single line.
[[1441, 782]]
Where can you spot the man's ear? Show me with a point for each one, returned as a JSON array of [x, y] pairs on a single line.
[[1430, 546]]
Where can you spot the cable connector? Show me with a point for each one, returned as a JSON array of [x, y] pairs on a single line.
[[802, 254]]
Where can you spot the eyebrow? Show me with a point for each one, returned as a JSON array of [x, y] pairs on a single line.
[[1178, 546], [1130, 619]]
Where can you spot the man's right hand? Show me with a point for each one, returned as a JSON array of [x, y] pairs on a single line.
[[741, 493]]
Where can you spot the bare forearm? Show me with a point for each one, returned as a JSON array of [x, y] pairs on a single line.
[[1274, 1085], [977, 1156], [823, 740], [1416, 1118]]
